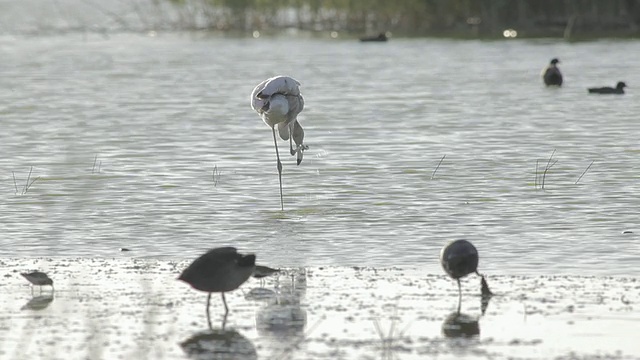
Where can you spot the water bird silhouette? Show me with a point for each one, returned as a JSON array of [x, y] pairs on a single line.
[[38, 278], [219, 270], [551, 75], [381, 37], [619, 89], [278, 101], [459, 259]]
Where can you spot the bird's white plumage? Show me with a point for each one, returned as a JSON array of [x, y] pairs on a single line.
[[278, 101]]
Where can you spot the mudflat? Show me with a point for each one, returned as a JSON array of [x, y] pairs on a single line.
[[136, 308]]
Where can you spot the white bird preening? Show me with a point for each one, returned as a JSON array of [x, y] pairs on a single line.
[[278, 101]]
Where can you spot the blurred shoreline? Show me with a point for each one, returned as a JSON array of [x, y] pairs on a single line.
[[570, 20]]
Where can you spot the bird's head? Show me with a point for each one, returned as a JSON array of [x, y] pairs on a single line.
[[555, 61]]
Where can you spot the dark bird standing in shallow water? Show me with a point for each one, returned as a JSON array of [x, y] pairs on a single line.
[[38, 278], [459, 259], [551, 75], [219, 270], [619, 89]]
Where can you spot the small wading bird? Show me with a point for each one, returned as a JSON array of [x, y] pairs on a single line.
[[551, 74], [278, 101], [38, 278], [619, 89], [263, 271], [219, 270], [459, 259]]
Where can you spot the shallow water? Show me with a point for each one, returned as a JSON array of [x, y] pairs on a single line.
[[135, 308], [124, 132]]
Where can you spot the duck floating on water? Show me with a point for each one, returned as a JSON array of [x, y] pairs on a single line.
[[381, 37], [619, 89]]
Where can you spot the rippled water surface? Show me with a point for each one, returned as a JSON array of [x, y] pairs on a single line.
[[148, 142]]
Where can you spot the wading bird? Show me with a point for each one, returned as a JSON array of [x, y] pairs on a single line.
[[219, 270], [38, 278], [263, 271], [278, 101], [551, 74], [619, 89], [459, 259]]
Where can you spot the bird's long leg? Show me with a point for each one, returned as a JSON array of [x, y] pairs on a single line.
[[226, 312], [226, 308], [208, 316], [459, 295], [275, 143]]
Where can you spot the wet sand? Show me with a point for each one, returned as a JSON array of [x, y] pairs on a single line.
[[136, 309]]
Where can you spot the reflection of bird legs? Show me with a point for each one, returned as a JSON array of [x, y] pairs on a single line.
[[275, 142]]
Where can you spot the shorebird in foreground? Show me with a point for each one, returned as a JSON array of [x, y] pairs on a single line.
[[219, 270], [278, 101], [38, 278], [459, 259], [551, 75]]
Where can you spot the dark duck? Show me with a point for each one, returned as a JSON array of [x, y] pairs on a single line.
[[551, 75], [619, 89]]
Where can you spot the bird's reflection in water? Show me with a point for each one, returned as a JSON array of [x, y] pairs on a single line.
[[282, 319], [459, 324], [38, 302], [260, 294], [219, 344]]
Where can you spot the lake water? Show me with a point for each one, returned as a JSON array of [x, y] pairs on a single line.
[[127, 132]]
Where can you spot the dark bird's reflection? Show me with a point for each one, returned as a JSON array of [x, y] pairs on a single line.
[[458, 324], [38, 302], [219, 344]]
